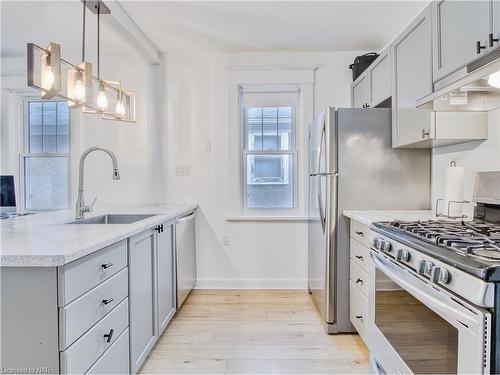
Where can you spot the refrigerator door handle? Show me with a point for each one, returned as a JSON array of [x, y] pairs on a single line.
[[322, 217], [320, 147]]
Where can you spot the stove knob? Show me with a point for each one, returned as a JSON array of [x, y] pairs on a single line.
[[440, 275], [386, 246], [403, 255], [425, 267], [376, 242]]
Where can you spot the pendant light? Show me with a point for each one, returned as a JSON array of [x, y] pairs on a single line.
[[44, 68]]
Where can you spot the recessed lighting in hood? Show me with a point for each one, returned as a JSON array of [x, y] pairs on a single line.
[[494, 79]]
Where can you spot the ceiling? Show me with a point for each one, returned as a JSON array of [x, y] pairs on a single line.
[[272, 25], [210, 25], [43, 21]]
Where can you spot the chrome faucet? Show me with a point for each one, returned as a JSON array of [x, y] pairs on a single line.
[[81, 207]]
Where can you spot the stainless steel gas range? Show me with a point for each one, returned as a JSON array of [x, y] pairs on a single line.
[[435, 305]]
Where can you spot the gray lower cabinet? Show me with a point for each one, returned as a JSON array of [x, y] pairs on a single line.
[[142, 294], [166, 275], [458, 28], [411, 80]]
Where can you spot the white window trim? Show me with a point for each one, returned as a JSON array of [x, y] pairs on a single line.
[[270, 79], [25, 154]]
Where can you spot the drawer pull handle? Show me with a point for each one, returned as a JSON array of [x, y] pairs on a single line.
[[109, 335], [360, 257], [359, 317], [105, 266], [107, 301], [360, 233], [359, 281]]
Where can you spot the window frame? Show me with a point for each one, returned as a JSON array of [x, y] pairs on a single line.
[[293, 151], [25, 155]]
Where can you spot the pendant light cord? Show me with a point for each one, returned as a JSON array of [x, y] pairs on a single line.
[[98, 39], [83, 30]]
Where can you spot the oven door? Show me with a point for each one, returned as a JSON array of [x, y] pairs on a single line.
[[419, 328]]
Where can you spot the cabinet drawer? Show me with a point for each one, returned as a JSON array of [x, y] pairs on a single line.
[[359, 311], [115, 360], [81, 314], [78, 277], [359, 277], [78, 358], [360, 232], [360, 254]]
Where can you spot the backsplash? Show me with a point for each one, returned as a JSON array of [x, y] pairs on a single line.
[[473, 156]]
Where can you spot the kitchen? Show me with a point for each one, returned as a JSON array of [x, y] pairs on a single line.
[[245, 168]]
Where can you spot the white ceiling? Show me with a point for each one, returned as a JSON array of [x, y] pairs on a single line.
[[223, 26], [42, 22], [272, 25]]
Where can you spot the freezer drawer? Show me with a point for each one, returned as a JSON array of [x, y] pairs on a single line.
[[185, 256]]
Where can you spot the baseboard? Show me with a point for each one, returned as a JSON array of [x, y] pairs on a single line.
[[251, 284]]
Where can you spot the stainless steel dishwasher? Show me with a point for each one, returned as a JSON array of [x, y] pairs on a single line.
[[185, 255]]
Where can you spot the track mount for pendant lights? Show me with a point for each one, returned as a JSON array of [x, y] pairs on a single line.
[[54, 77]]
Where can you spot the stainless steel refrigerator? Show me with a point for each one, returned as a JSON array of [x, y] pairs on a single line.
[[352, 165]]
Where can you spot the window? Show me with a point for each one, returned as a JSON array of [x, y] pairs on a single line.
[[269, 150], [45, 162]]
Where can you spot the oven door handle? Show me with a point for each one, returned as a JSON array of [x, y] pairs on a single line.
[[397, 275]]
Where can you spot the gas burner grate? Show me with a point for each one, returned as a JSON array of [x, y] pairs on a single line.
[[473, 239]]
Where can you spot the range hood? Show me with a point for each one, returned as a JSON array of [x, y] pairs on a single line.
[[475, 87]]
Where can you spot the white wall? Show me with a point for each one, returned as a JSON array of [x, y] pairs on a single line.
[[260, 254], [473, 156]]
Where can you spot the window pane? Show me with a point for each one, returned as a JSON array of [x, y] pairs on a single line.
[[46, 182], [254, 128], [269, 181], [50, 127], [285, 128], [35, 119], [62, 127]]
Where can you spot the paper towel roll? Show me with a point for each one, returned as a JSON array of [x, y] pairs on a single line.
[[454, 191]]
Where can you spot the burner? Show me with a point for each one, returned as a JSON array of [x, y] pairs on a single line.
[[474, 239]]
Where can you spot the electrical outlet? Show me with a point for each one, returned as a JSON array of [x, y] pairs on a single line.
[[207, 146], [183, 170], [225, 240]]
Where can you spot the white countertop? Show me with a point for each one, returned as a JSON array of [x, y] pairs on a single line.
[[44, 239], [370, 216]]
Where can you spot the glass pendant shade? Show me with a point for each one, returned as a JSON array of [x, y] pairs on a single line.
[[80, 85], [102, 99], [51, 71], [120, 108], [494, 79]]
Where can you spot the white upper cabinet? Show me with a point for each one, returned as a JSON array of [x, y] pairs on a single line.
[[496, 23], [412, 80], [373, 86], [380, 79], [360, 92], [461, 32]]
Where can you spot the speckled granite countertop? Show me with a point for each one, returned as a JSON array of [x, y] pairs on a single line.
[[45, 240]]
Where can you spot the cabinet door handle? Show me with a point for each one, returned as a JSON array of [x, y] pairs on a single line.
[[479, 47], [425, 133], [360, 257], [109, 335], [359, 281], [493, 40], [107, 301], [105, 266], [359, 317], [359, 233]]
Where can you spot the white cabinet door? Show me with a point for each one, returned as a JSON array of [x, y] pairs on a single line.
[[412, 80], [360, 92], [379, 76], [142, 294], [496, 22], [458, 27], [166, 275]]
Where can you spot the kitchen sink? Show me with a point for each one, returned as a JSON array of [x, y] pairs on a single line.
[[113, 219]]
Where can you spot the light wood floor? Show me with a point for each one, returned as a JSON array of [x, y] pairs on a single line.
[[253, 332]]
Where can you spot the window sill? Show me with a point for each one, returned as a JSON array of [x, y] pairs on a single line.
[[267, 218]]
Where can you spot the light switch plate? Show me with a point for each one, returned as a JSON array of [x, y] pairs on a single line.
[[183, 170], [207, 146]]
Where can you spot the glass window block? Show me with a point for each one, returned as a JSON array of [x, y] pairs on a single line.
[[270, 181], [285, 135], [35, 122], [254, 128], [50, 127], [46, 182]]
